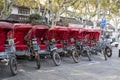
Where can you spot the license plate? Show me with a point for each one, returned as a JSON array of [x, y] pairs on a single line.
[[35, 47], [53, 46], [70, 46]]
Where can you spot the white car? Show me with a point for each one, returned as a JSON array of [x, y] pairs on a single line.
[[114, 43]]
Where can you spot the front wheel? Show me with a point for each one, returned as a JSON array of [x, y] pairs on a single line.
[[108, 52], [75, 56], [37, 59], [56, 58], [13, 66]]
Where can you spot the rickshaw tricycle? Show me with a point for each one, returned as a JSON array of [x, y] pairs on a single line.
[[22, 49], [20, 30], [63, 42], [44, 46], [7, 48], [100, 45], [81, 44]]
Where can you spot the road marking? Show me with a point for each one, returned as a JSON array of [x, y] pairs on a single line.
[[21, 70], [46, 70], [93, 63]]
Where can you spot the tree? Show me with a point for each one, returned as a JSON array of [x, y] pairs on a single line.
[[1, 5], [115, 13], [5, 9], [36, 19], [7, 4], [92, 9], [58, 7]]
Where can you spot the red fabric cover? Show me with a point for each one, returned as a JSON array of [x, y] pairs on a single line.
[[42, 47], [30, 35], [6, 25], [19, 38], [20, 31], [2, 38], [59, 33], [39, 41], [59, 45], [39, 31], [2, 49], [23, 27], [21, 47], [10, 34], [74, 33]]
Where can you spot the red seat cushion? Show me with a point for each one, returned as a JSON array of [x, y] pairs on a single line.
[[59, 45], [42, 47], [2, 49], [21, 47]]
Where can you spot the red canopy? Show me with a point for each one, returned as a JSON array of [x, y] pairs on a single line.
[[90, 34], [20, 30], [6, 25], [39, 31], [23, 27], [74, 33], [5, 29], [59, 33]]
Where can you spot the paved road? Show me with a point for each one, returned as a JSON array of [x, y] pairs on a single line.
[[97, 69]]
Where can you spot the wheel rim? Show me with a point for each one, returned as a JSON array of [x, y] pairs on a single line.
[[57, 58], [14, 65], [76, 56], [108, 51]]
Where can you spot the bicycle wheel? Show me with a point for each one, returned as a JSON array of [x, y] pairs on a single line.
[[56, 58], [75, 56], [13, 66], [108, 52]]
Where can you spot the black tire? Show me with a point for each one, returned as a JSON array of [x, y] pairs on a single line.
[[37, 59], [119, 53], [116, 45], [75, 56], [108, 52], [56, 58], [13, 65], [88, 54]]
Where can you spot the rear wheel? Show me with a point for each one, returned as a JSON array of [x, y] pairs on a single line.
[[13, 66], [37, 59], [56, 58], [108, 52], [75, 56]]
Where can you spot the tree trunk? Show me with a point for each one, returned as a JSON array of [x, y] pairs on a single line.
[[94, 24], [4, 9]]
